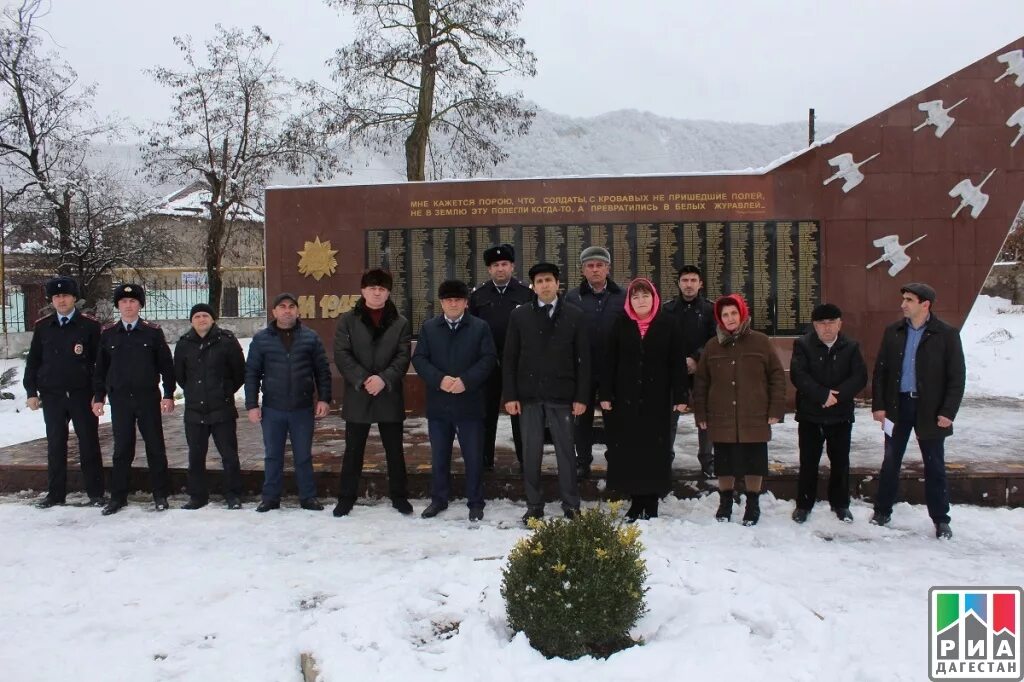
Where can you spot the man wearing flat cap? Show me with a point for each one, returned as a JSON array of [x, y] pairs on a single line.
[[493, 302], [210, 367], [917, 386], [601, 300], [288, 363], [828, 371], [58, 378], [454, 356], [133, 362]]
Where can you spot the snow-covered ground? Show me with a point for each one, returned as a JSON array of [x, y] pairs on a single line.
[[219, 595]]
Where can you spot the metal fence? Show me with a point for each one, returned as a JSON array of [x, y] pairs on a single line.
[[170, 295]]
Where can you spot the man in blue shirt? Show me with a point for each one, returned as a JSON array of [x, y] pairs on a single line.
[[918, 385]]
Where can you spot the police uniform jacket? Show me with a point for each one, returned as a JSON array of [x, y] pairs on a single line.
[[62, 359], [133, 362], [209, 369], [494, 307]]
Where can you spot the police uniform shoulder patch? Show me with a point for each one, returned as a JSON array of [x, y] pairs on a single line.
[[42, 319], [110, 325], [147, 323], [88, 316]]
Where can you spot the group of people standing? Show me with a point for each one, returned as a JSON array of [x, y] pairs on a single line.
[[550, 360]]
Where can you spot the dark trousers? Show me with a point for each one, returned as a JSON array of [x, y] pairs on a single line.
[[129, 409], [278, 427], [705, 450], [442, 433], [933, 454], [225, 438], [492, 391], [558, 419], [836, 439], [352, 462], [76, 407], [584, 431]]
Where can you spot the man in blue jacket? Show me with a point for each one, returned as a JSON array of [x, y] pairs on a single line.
[[287, 360], [454, 357]]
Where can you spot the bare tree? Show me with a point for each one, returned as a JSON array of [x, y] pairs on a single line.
[[425, 72], [234, 122], [1013, 247], [104, 232], [46, 125]]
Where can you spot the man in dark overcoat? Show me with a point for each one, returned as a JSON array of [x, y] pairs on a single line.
[[493, 302], [371, 349], [547, 382], [601, 300], [210, 367], [696, 317], [58, 377], [918, 385], [454, 356], [828, 371]]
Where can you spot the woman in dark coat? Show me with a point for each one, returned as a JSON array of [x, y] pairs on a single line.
[[739, 391], [644, 376]]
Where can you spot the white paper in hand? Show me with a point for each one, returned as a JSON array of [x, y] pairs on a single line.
[[888, 426]]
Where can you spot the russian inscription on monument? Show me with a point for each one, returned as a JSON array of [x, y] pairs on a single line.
[[774, 264]]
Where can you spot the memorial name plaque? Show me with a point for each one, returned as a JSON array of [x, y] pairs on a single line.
[[773, 264]]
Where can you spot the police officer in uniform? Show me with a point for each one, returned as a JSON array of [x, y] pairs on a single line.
[[132, 360], [493, 302], [58, 377]]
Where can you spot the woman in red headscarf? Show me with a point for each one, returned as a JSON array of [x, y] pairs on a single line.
[[739, 391], [643, 380]]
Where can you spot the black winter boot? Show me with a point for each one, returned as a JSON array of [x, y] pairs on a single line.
[[724, 512], [753, 511]]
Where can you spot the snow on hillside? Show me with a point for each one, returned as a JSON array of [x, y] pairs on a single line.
[[617, 143]]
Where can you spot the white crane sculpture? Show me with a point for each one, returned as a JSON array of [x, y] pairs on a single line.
[[971, 195], [938, 116], [1017, 120], [1014, 61], [848, 170], [894, 252]]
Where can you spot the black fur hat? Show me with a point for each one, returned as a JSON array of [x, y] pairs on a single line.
[[453, 288], [499, 252], [376, 278], [129, 290], [61, 285]]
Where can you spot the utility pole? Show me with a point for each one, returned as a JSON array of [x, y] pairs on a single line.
[[810, 127]]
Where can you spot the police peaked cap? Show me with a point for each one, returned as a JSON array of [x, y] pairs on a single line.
[[499, 252], [61, 285], [130, 291]]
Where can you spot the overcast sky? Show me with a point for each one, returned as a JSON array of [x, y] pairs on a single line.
[[757, 61]]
